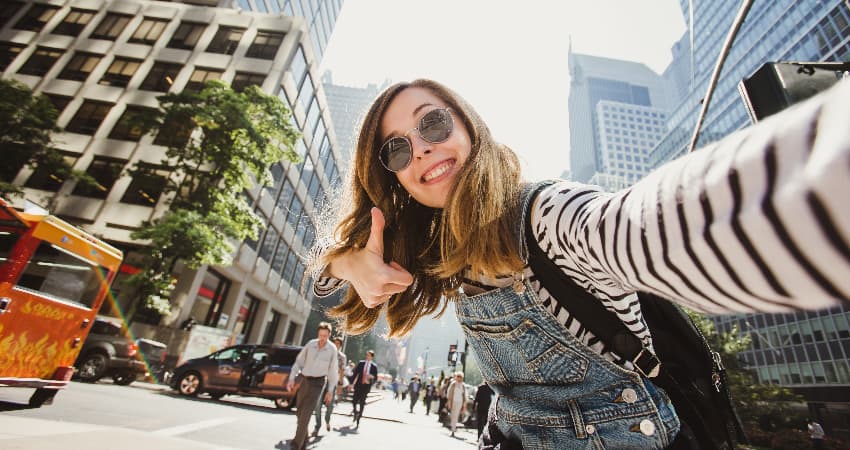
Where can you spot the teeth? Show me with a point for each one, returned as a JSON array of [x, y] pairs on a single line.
[[441, 169]]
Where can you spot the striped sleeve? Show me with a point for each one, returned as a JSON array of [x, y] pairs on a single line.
[[758, 221]]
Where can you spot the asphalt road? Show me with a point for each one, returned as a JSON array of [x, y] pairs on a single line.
[[152, 417]]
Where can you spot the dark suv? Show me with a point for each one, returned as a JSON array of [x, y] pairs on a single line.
[[254, 370], [109, 351]]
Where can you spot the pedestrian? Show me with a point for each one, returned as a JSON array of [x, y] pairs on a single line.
[[335, 391], [430, 395], [443, 413], [437, 212], [481, 404], [364, 375], [317, 363], [394, 386], [413, 391], [456, 400], [816, 434]]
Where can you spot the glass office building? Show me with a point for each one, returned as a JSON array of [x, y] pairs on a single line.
[[100, 60], [807, 351]]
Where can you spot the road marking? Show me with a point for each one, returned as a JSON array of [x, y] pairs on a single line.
[[173, 431]]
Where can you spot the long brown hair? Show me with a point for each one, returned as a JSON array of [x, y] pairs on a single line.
[[476, 230]]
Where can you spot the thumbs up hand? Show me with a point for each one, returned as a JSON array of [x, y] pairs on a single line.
[[374, 280]]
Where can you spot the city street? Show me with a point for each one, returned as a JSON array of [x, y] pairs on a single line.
[[147, 416]]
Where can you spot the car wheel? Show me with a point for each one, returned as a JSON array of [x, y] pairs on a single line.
[[190, 384], [93, 367], [284, 403], [123, 378]]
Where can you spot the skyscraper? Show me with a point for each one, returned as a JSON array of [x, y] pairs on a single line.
[[617, 113], [808, 351], [99, 60]]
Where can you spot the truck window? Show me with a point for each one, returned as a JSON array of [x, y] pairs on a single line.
[[54, 272], [8, 238], [284, 357]]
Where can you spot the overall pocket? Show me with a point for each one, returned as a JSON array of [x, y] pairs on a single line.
[[524, 354]]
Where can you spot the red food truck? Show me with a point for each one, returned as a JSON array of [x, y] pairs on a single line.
[[53, 279]]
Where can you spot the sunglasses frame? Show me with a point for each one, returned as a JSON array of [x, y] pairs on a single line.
[[405, 137]]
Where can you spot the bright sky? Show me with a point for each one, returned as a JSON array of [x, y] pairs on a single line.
[[507, 58]]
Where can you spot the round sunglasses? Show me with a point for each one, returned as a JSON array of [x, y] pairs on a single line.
[[434, 127]]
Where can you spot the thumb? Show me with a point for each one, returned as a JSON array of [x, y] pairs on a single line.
[[375, 244]]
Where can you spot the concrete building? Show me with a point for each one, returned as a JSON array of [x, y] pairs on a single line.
[[100, 59], [617, 114]]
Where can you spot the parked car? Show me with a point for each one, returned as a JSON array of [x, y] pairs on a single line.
[[254, 370], [109, 351]]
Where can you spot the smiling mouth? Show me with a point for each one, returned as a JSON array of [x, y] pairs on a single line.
[[438, 171]]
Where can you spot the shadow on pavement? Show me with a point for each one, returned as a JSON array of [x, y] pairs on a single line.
[[9, 406]]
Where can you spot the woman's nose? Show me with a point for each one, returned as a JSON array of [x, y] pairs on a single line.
[[421, 147]]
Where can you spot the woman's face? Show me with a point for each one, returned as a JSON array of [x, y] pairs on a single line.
[[431, 173]]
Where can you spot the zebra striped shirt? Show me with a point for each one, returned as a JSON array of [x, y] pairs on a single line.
[[759, 221]]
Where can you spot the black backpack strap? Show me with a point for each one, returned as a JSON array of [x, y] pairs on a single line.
[[589, 311]]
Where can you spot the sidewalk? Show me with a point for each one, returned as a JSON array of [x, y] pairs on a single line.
[[386, 424]]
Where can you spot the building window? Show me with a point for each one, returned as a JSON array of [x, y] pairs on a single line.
[[8, 53], [105, 172], [173, 134], [127, 128], [298, 67], [120, 71], [226, 40], [111, 26], [40, 62], [49, 177], [13, 161], [8, 10], [88, 117], [271, 328], [187, 35], [59, 101], [80, 66], [36, 17], [148, 31], [74, 22], [161, 77], [265, 45], [201, 76], [147, 185], [244, 79]]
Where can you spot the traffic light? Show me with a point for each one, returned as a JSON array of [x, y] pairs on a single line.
[[452, 354]]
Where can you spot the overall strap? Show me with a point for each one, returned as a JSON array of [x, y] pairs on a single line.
[[589, 311]]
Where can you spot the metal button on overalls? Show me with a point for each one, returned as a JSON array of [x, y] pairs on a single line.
[[647, 427], [629, 395]]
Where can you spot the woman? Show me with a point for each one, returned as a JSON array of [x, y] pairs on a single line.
[[456, 400], [755, 222]]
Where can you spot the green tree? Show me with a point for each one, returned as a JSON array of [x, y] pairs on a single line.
[[218, 142], [27, 124], [768, 407]]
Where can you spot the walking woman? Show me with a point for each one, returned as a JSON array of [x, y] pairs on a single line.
[[456, 400], [435, 212]]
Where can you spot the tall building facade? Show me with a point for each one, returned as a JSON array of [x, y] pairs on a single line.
[[99, 60], [348, 106], [784, 30], [807, 351], [617, 114]]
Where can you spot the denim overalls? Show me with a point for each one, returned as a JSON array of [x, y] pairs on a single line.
[[554, 392]]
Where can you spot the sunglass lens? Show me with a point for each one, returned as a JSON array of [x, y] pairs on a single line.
[[436, 126], [396, 154]]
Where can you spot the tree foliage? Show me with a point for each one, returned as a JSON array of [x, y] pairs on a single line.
[[27, 124], [218, 142], [768, 407]]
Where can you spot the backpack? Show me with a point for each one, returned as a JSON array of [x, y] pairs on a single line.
[[683, 364]]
